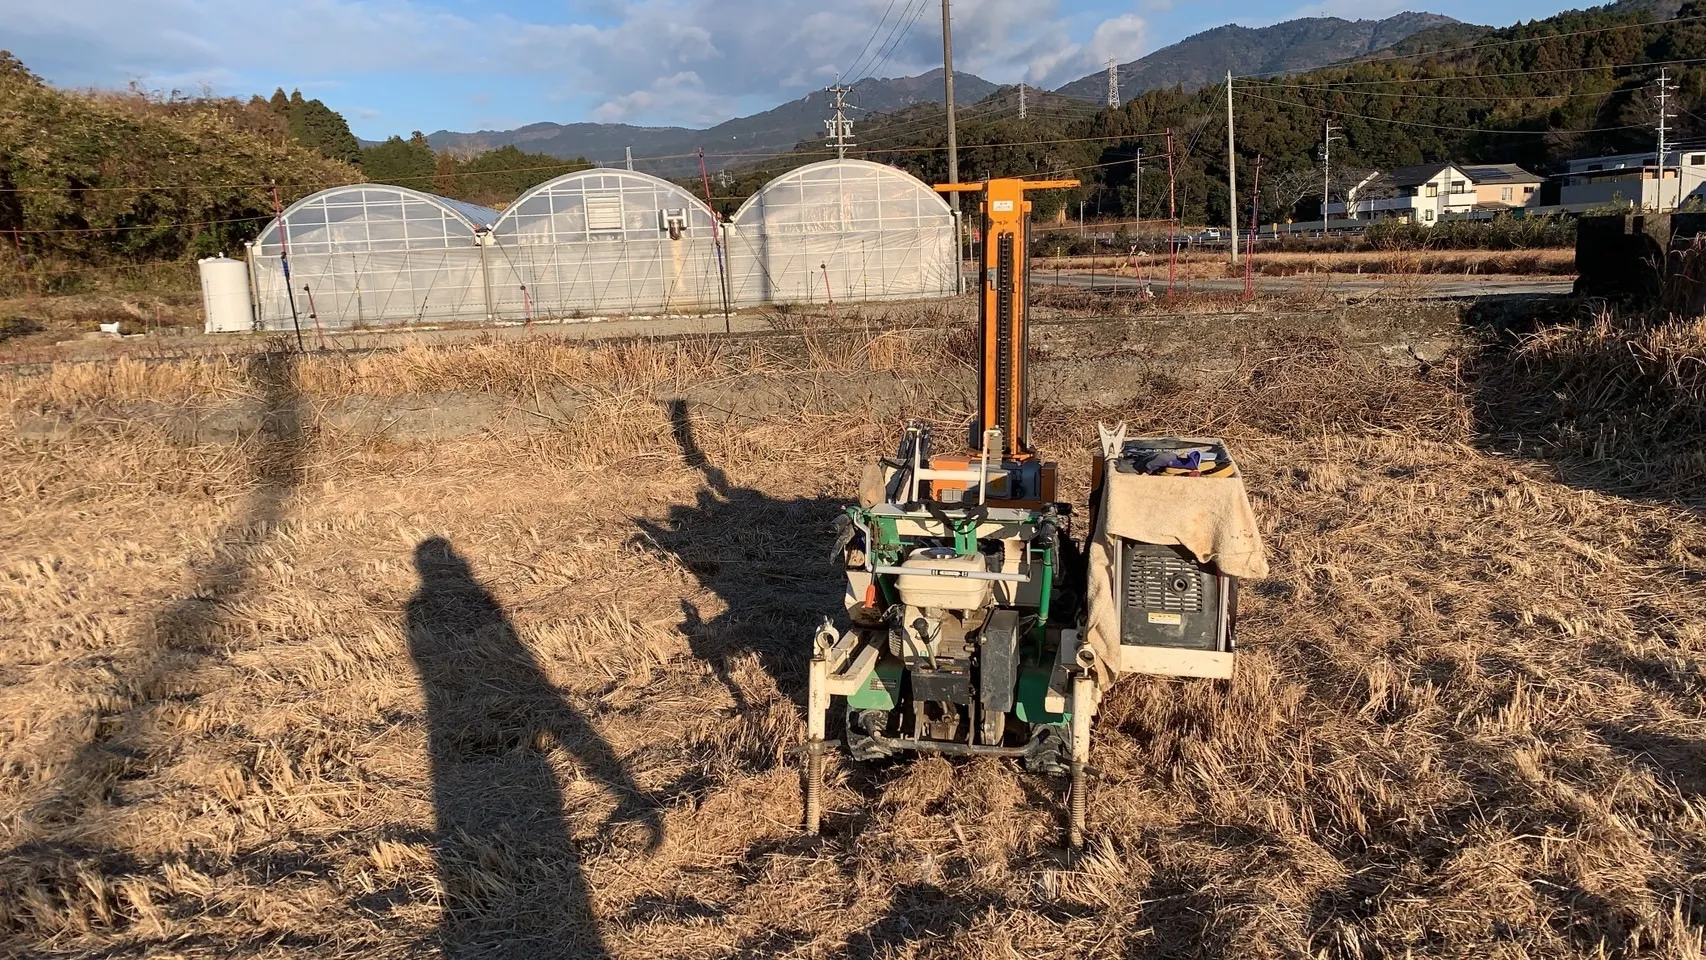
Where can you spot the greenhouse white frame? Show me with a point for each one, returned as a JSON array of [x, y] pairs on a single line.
[[601, 241], [842, 230], [604, 241], [370, 254]]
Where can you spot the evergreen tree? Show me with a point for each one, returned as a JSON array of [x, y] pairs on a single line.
[[404, 163], [322, 129], [499, 176], [444, 180]]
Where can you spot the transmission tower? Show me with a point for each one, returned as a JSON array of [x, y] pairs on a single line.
[[1021, 101], [1113, 83], [1665, 90], [840, 127]]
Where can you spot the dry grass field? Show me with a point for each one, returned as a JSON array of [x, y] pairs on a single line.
[[529, 690]]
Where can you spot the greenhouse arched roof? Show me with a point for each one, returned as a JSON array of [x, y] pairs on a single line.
[[603, 203], [858, 194], [375, 217]]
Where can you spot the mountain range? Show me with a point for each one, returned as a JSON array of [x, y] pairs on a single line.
[[1204, 58], [773, 131], [1193, 62]]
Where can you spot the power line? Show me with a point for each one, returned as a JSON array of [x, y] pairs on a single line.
[[895, 40], [1457, 98], [983, 112], [1031, 143], [1429, 126], [141, 226], [801, 154], [1487, 76], [878, 29]]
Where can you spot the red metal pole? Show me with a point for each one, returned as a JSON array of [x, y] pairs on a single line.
[[314, 315], [716, 241], [827, 291], [527, 306], [1250, 248], [1172, 217]]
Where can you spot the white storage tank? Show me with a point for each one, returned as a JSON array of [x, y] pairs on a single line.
[[225, 299]]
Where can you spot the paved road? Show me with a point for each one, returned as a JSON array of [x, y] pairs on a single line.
[[1423, 287]]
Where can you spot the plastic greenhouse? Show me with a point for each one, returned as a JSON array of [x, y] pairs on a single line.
[[600, 241], [371, 254], [851, 229], [604, 241]]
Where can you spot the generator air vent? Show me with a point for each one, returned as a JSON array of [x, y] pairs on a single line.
[[1162, 582]]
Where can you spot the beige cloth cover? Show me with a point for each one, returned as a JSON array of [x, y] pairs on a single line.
[[1208, 516]]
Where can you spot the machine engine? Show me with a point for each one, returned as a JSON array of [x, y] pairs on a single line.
[[977, 625]]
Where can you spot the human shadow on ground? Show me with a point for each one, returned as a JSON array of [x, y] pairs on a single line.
[[161, 663], [117, 743], [766, 559], [507, 863]]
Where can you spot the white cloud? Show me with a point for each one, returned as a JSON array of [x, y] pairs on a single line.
[[651, 61], [1122, 39], [683, 94]]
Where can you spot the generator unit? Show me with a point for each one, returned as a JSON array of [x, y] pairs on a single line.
[[976, 624], [1177, 613]]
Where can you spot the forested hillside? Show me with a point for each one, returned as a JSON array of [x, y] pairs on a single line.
[[99, 178], [92, 180], [492, 179], [1537, 94], [1205, 57]]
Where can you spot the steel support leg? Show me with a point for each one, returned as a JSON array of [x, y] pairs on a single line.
[[1083, 708], [817, 710]]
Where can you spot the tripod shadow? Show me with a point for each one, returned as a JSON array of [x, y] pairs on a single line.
[[766, 559], [509, 872]]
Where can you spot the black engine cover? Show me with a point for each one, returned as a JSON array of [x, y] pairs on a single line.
[[1167, 599], [949, 681]]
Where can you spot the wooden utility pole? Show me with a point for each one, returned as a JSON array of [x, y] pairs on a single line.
[[840, 128], [1327, 174], [948, 94], [1172, 217], [953, 144], [1231, 172]]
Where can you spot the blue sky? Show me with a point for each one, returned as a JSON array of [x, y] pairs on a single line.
[[391, 66]]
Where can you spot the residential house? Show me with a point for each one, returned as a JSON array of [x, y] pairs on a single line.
[[1425, 193], [1503, 185], [1634, 179]]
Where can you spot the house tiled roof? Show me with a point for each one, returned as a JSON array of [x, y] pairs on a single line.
[[1415, 176], [1499, 173]]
